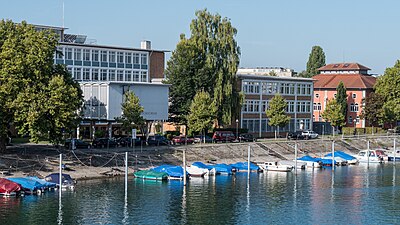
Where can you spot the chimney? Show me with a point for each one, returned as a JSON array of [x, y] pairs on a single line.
[[145, 44]]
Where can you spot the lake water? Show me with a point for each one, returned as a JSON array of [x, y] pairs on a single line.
[[353, 195]]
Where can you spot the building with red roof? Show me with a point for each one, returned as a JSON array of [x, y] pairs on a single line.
[[358, 82]]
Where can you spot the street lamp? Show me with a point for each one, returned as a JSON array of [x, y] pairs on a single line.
[[237, 129]]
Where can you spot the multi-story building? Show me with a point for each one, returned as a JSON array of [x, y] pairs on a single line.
[[358, 82], [106, 73], [267, 71], [260, 89]]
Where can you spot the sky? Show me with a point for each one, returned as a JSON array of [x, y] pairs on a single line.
[[270, 32]]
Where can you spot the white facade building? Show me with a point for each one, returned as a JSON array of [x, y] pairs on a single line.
[[267, 71]]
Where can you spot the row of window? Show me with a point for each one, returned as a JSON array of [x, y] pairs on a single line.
[[86, 54], [271, 88], [350, 120], [257, 106], [353, 95], [94, 74], [353, 107], [253, 125]]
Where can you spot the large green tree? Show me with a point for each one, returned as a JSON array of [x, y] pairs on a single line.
[[373, 110], [333, 114], [131, 113], [315, 61], [341, 98], [208, 61], [388, 86], [36, 97], [202, 113], [276, 112]]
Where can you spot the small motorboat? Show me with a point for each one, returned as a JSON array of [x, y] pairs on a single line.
[[174, 172], [339, 156], [274, 166], [9, 188], [244, 166], [394, 156], [310, 161], [195, 171], [66, 181], [47, 185], [210, 170], [300, 165], [223, 169], [150, 175], [371, 156], [28, 186]]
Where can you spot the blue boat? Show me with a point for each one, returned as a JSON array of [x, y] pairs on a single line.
[[67, 181], [327, 162], [310, 161], [174, 172], [222, 168], [46, 184], [29, 186], [243, 166], [349, 158]]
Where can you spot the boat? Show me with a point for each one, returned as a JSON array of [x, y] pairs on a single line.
[[28, 186], [274, 166], [391, 156], [195, 171], [47, 185], [339, 161], [300, 165], [223, 168], [211, 171], [67, 181], [244, 166], [310, 161], [150, 175], [328, 162], [339, 154], [174, 172], [9, 188], [371, 156]]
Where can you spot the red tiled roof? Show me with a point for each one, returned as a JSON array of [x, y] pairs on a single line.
[[349, 80], [344, 66]]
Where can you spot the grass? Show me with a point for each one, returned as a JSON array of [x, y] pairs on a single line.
[[25, 140]]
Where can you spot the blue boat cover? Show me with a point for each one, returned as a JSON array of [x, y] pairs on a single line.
[[342, 155], [172, 171], [309, 158], [244, 166], [222, 168], [201, 165], [55, 178], [327, 161], [27, 183], [42, 181]]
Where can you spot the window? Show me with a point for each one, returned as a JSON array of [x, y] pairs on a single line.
[[59, 53], [290, 107], [95, 55], [350, 121], [317, 95], [68, 53], [143, 77], [78, 73], [86, 54], [77, 54], [128, 58], [354, 96], [103, 75], [112, 75], [95, 74], [111, 57], [143, 58], [120, 57], [104, 56], [135, 58], [128, 75], [354, 107], [357, 119], [120, 75], [334, 95], [86, 74], [136, 76]]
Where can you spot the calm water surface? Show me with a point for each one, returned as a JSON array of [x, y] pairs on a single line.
[[353, 195]]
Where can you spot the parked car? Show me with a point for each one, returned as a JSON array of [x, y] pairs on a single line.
[[298, 135], [182, 140], [223, 136], [157, 140], [202, 139], [78, 143], [309, 134], [127, 141], [247, 138], [104, 143]]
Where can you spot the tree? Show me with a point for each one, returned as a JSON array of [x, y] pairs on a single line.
[[276, 112], [315, 61], [208, 61], [202, 113], [341, 98], [373, 110], [303, 74], [38, 98], [388, 86], [131, 113], [333, 114]]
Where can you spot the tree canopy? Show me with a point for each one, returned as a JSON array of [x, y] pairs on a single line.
[[202, 114], [373, 110], [333, 113], [315, 61], [276, 112], [341, 98], [208, 61], [131, 113], [37, 97]]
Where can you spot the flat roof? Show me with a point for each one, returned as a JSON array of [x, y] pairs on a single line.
[[112, 47], [262, 77]]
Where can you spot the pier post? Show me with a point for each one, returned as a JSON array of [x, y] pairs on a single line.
[[333, 155], [295, 157], [394, 150], [248, 162], [184, 167], [126, 171], [60, 175], [368, 154]]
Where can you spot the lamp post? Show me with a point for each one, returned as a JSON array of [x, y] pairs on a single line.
[[237, 129]]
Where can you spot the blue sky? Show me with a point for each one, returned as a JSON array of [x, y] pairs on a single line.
[[270, 33]]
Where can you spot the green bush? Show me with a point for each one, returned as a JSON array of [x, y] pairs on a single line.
[[367, 130]]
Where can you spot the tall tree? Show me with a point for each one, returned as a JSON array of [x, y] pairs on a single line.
[[208, 61], [333, 114], [341, 98], [37, 97], [388, 86], [276, 112], [202, 113], [315, 61], [373, 110], [131, 113]]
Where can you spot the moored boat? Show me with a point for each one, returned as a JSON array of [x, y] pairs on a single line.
[[300, 165], [310, 161], [371, 156], [223, 168], [174, 172], [28, 186], [66, 181], [150, 175], [339, 154], [274, 166], [9, 188], [394, 156], [194, 171]]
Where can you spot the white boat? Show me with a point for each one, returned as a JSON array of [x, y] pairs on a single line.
[[274, 166], [339, 160], [194, 171], [394, 156], [300, 165], [372, 156]]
